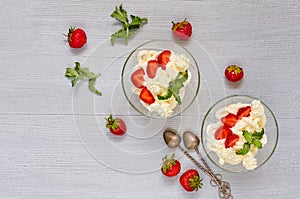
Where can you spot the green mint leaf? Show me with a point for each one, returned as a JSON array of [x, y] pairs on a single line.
[[71, 73], [257, 143], [258, 135], [79, 73], [77, 66], [137, 21], [122, 33], [86, 73], [120, 14], [128, 28], [92, 87], [174, 87], [247, 136], [74, 81], [166, 96], [244, 150]]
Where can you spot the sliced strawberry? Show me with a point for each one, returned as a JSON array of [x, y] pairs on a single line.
[[231, 140], [152, 67], [146, 96], [137, 78], [163, 58], [229, 120], [222, 132], [244, 112]]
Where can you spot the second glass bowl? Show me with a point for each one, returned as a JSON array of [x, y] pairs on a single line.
[[213, 118]]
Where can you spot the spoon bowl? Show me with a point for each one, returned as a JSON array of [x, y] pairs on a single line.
[[172, 139], [190, 140]]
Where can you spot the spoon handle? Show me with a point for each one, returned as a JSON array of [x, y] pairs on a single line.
[[196, 163], [202, 160]]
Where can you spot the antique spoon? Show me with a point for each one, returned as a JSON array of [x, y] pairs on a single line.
[[173, 140], [191, 142]]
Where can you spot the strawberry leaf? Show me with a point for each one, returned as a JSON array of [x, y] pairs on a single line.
[[112, 122], [167, 162]]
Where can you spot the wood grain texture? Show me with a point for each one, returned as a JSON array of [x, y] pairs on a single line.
[[42, 154]]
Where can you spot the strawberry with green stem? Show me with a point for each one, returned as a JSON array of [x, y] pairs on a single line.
[[170, 166], [190, 180], [234, 73], [116, 125], [76, 37], [182, 30]]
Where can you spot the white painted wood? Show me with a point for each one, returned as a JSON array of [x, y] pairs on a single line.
[[43, 155]]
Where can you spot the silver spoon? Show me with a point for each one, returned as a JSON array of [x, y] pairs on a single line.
[[173, 140], [191, 142]]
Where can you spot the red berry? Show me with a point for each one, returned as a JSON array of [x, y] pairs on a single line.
[[76, 37], [163, 58], [222, 132], [231, 140], [229, 120], [146, 96], [234, 73], [244, 112], [137, 78], [170, 167], [152, 67], [190, 180], [116, 125], [182, 30]]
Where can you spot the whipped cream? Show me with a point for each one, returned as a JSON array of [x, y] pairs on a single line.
[[159, 84], [255, 122]]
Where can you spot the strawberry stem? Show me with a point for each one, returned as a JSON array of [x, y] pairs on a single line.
[[112, 122], [196, 182], [167, 162]]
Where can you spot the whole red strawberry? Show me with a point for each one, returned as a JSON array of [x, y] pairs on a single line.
[[190, 180], [170, 167], [234, 73], [76, 37], [182, 30], [116, 125]]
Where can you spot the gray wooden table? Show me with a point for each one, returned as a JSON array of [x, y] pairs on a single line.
[[44, 122]]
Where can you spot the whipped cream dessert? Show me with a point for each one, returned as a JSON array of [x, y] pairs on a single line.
[[164, 75], [243, 150]]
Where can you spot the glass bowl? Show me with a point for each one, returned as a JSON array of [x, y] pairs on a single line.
[[228, 159], [132, 92]]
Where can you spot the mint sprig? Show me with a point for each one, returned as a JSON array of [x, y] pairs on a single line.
[[251, 138], [174, 87], [128, 27], [79, 73]]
